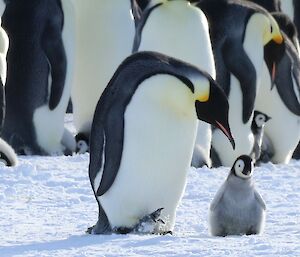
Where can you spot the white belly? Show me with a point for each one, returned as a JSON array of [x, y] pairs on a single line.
[[284, 127], [104, 38], [180, 30], [157, 151], [244, 139]]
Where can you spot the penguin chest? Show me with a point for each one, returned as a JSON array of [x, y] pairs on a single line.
[[239, 212], [157, 149]]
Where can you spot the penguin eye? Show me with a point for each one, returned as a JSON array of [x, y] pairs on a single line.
[[239, 166], [271, 29]]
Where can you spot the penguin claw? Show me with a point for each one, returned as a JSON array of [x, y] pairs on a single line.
[[90, 230]]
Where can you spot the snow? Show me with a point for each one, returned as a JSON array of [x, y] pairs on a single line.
[[47, 204]]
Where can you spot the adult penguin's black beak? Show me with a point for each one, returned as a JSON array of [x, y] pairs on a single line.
[[215, 110]]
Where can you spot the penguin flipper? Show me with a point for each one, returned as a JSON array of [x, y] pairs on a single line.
[[239, 64], [54, 50], [260, 200], [287, 81], [217, 198]]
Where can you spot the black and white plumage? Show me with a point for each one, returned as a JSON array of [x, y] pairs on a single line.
[[237, 208], [36, 99], [149, 108], [279, 93], [239, 30], [257, 127]]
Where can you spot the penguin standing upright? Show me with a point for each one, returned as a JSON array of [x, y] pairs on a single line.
[[36, 99], [279, 94], [237, 207], [103, 38], [180, 30], [257, 127], [239, 30], [149, 107]]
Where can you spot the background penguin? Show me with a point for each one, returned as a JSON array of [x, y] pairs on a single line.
[[104, 32], [279, 93], [237, 208], [257, 127], [180, 22], [238, 31], [35, 96], [157, 108]]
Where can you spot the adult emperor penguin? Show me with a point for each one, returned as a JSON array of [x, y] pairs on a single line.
[[153, 113], [279, 94], [237, 208], [179, 21], [258, 123], [238, 30], [104, 33], [36, 99]]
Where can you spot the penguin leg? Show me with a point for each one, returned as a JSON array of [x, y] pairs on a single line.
[[102, 226], [151, 224]]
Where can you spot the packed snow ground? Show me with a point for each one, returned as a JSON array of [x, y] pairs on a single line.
[[47, 204]]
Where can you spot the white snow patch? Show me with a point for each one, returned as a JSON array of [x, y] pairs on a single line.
[[47, 204]]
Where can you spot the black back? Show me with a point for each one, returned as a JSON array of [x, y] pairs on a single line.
[[227, 23], [35, 51], [106, 140]]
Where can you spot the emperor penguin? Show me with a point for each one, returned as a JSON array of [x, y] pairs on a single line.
[[146, 119], [104, 33], [239, 30], [36, 99], [279, 94], [237, 207], [178, 21], [258, 123]]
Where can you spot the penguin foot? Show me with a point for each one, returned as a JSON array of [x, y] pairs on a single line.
[[150, 223]]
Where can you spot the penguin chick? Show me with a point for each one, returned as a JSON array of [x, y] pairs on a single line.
[[237, 208], [257, 127]]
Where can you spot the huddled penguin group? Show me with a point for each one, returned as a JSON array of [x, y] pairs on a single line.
[[155, 86]]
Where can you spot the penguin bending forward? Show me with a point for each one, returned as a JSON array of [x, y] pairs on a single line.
[[142, 139], [36, 99], [279, 94], [239, 30], [237, 208]]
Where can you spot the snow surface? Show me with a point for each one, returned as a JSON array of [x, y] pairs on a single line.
[[47, 204]]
